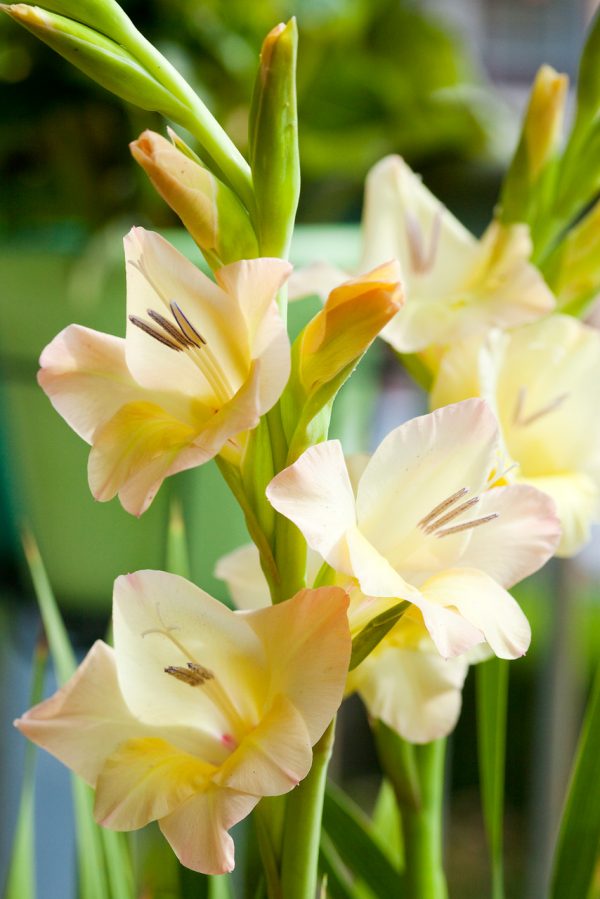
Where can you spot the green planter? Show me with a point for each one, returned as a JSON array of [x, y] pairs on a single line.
[[86, 544]]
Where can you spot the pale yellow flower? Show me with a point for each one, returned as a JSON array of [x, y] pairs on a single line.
[[542, 379], [424, 525], [200, 364], [198, 711], [455, 285]]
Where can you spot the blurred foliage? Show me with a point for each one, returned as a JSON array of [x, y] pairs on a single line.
[[375, 77]]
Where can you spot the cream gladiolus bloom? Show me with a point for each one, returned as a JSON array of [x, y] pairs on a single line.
[[455, 285], [542, 379], [427, 525], [201, 362], [198, 711]]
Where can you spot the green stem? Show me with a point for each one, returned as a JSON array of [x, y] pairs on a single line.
[[268, 822], [423, 827], [302, 830]]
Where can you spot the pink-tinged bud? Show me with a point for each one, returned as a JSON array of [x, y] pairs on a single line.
[[208, 209]]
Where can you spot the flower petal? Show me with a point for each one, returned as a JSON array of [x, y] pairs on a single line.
[[157, 274], [519, 541], [274, 757], [161, 620], [403, 219], [197, 831], [416, 467], [577, 500], [451, 633], [307, 644], [84, 374], [88, 719], [146, 779], [243, 575], [415, 692], [316, 494], [481, 601], [317, 279]]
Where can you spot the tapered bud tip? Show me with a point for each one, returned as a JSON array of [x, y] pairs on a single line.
[[268, 46], [544, 121], [27, 15]]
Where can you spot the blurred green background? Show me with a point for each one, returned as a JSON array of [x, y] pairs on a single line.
[[442, 84]]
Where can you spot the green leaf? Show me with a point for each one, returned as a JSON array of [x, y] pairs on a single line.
[[351, 833], [492, 693], [20, 883], [374, 632], [100, 853], [578, 845], [339, 882], [387, 824]]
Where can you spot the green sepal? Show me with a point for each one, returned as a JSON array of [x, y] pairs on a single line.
[[373, 633]]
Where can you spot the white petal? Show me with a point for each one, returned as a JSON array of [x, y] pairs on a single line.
[[522, 539], [488, 607], [244, 577], [415, 692], [416, 468], [318, 279], [577, 500], [316, 494]]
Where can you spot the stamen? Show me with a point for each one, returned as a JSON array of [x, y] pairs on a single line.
[[452, 514], [466, 525], [442, 507], [535, 416], [170, 328], [187, 329], [194, 675], [152, 332], [422, 258]]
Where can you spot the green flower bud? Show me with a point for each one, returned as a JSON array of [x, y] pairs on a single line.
[[98, 56], [273, 133]]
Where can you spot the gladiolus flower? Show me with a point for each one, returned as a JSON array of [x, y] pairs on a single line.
[[199, 711], [201, 363], [542, 379], [427, 525], [455, 285]]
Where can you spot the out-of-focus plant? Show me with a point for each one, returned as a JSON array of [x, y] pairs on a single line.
[[376, 77]]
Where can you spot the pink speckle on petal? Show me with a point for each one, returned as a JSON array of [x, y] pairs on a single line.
[[228, 741]]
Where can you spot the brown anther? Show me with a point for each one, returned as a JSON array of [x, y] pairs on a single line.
[[442, 507], [194, 674], [187, 328], [152, 332], [466, 525]]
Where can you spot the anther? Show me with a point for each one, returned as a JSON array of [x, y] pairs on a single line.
[[451, 515], [194, 674], [442, 507], [170, 328], [187, 328], [466, 525], [152, 332]]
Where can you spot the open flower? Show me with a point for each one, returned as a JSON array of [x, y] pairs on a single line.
[[201, 363], [455, 285], [198, 711], [542, 380], [428, 526]]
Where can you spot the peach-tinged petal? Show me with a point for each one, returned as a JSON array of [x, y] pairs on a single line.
[[254, 283], [577, 500], [451, 633], [243, 575], [274, 757], [146, 779], [307, 643], [415, 692], [352, 317], [415, 468], [481, 601], [88, 719], [84, 374], [316, 494], [197, 831], [162, 620], [519, 541]]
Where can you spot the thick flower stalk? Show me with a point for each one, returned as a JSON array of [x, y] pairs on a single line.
[[200, 364], [198, 712], [542, 380]]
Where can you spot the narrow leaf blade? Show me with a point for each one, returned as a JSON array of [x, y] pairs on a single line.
[[374, 632]]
